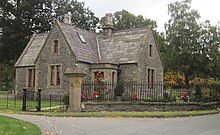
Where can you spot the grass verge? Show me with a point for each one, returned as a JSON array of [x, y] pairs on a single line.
[[11, 126], [130, 114]]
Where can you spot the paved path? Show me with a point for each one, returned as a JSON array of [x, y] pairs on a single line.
[[5, 96], [201, 125]]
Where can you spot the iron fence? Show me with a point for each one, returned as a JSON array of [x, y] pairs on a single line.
[[113, 92], [145, 92], [9, 101], [31, 101], [122, 91], [34, 101]]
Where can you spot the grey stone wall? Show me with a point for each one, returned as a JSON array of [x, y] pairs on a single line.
[[64, 57], [128, 72], [154, 106], [87, 69], [145, 62], [20, 81]]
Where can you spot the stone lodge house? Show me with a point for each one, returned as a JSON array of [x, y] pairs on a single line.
[[130, 55]]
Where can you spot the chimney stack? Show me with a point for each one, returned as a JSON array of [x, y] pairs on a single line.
[[108, 26], [67, 18]]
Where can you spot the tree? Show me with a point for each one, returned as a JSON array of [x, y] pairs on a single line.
[[21, 18], [164, 51], [210, 43], [81, 17], [183, 34], [126, 20]]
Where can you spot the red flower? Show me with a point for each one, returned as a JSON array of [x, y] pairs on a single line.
[[180, 95], [185, 93], [83, 95], [107, 92], [95, 92]]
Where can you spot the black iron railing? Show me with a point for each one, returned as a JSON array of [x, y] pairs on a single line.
[[144, 92], [113, 92]]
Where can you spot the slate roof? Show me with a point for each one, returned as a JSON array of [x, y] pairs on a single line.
[[85, 52], [123, 46], [32, 50]]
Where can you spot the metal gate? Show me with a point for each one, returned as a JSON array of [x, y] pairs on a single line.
[[30, 102]]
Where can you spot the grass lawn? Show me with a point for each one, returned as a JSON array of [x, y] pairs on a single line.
[[17, 104], [11, 126]]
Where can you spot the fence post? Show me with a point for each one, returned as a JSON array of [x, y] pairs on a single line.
[[24, 99], [39, 100], [14, 101], [50, 101], [7, 100]]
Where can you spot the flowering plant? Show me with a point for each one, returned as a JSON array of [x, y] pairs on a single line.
[[134, 94], [101, 91], [184, 96], [83, 96], [95, 93]]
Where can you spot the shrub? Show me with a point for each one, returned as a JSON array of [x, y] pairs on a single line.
[[65, 100], [119, 89]]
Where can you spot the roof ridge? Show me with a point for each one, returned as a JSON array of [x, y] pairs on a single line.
[[132, 29], [77, 28], [43, 34]]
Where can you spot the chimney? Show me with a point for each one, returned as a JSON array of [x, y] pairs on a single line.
[[67, 18], [108, 26]]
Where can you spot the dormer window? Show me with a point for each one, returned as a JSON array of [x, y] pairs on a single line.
[[55, 46], [82, 39]]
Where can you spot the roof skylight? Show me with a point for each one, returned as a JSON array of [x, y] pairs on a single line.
[[82, 38]]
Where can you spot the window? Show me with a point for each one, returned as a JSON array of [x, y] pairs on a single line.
[[82, 39], [150, 78], [98, 76], [113, 77], [150, 50], [55, 46], [55, 75], [31, 77]]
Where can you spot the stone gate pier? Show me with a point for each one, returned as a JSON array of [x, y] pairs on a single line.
[[75, 75]]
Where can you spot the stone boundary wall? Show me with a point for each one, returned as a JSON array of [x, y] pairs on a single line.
[[152, 106]]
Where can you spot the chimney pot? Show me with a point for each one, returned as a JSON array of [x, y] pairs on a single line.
[[108, 26], [67, 18], [109, 20]]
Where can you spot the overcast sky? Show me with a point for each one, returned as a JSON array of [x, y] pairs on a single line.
[[154, 9]]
